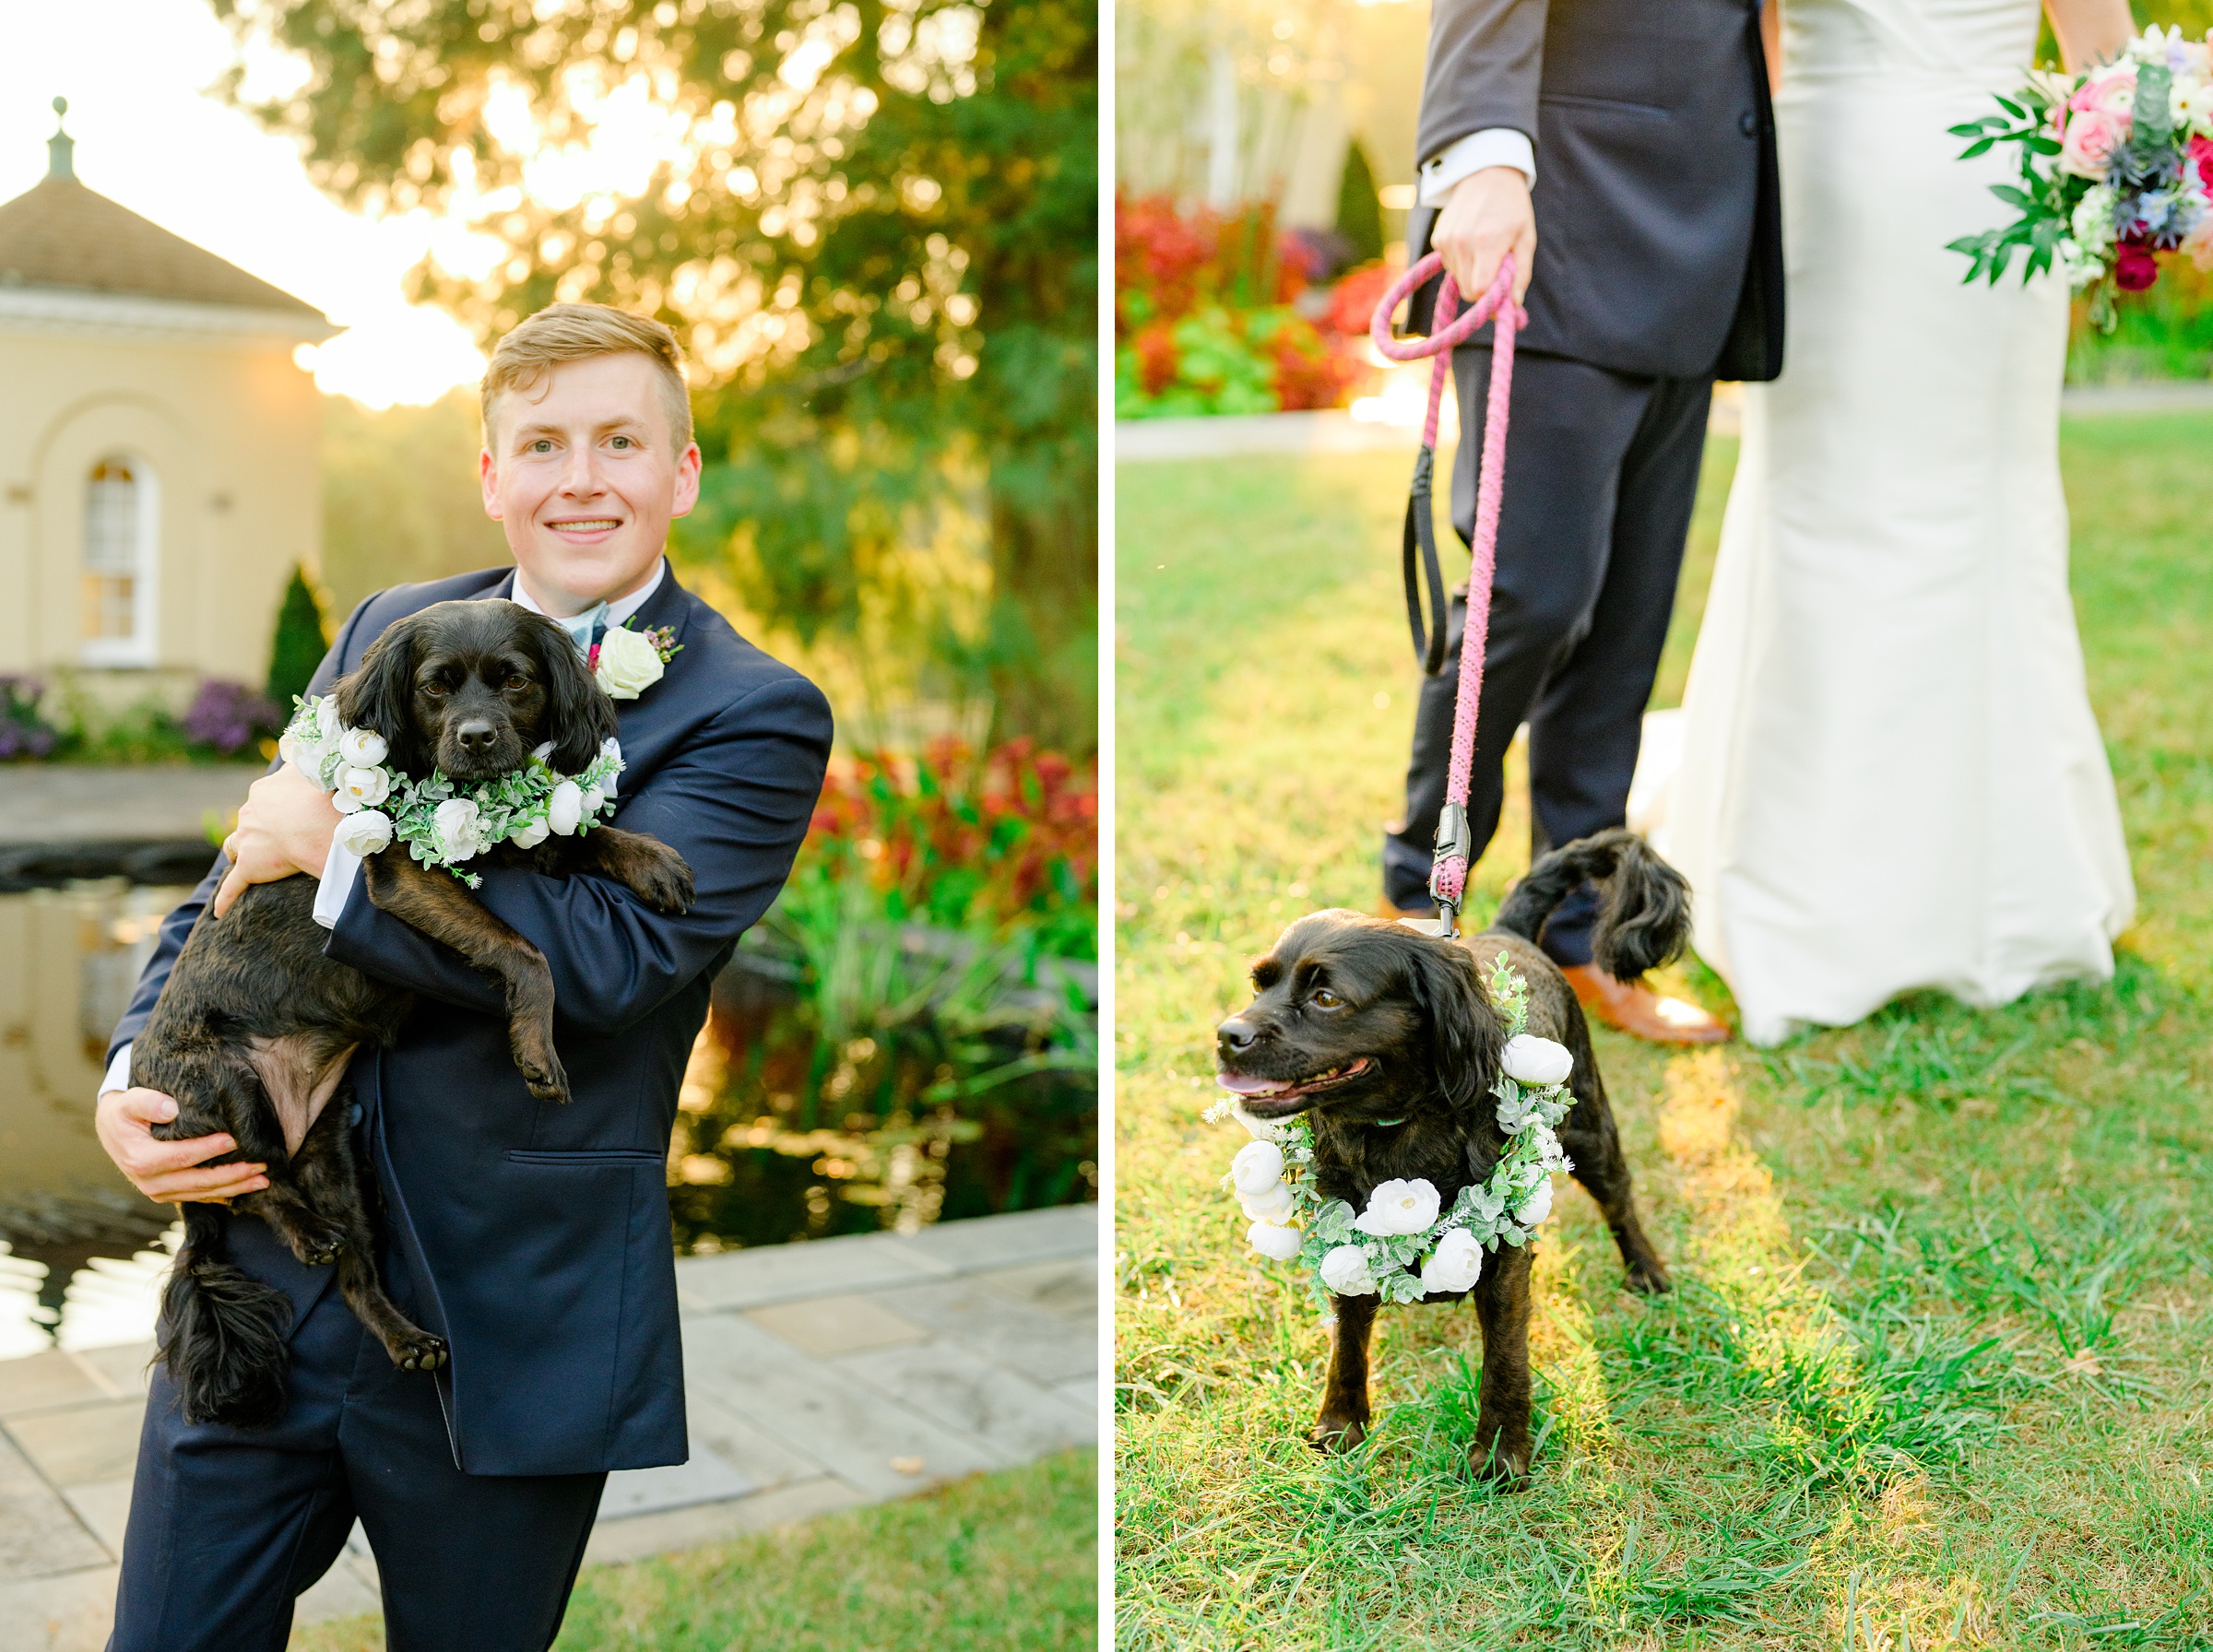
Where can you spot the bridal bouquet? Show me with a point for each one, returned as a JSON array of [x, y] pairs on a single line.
[[2116, 169]]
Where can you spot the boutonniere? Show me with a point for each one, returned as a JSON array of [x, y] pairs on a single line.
[[629, 662]]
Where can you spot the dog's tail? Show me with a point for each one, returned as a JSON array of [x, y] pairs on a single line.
[[223, 1332], [1647, 917]]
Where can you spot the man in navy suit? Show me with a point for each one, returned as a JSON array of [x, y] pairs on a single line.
[[532, 1237]]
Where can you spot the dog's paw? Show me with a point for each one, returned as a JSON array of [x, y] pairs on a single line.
[[420, 1352], [541, 1070], [1336, 1433], [1649, 1278], [664, 883], [1504, 1468]]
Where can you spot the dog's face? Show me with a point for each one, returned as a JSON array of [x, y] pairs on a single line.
[[1359, 1015], [473, 688]]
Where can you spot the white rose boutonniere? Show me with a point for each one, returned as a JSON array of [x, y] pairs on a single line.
[[628, 664]]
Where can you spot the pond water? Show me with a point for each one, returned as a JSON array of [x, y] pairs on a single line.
[[779, 1138]]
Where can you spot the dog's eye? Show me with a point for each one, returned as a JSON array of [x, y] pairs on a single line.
[[516, 679], [1324, 998], [435, 688]]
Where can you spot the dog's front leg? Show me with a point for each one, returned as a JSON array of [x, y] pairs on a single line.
[[645, 866], [1500, 1451], [1344, 1420], [443, 908]]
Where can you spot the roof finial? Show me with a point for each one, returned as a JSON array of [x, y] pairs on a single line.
[[61, 146]]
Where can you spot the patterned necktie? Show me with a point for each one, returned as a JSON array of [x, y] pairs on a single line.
[[586, 628]]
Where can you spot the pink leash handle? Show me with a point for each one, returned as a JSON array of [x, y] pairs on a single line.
[[1455, 841]]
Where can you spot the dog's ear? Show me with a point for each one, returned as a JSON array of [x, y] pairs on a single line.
[[1465, 1038], [379, 695], [578, 713]]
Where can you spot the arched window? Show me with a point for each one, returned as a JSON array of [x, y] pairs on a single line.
[[121, 555]]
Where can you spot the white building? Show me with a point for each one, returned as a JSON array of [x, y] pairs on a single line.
[[157, 446]]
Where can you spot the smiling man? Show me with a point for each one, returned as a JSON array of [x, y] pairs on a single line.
[[532, 1237]]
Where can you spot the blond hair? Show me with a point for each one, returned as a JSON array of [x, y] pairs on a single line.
[[576, 333]]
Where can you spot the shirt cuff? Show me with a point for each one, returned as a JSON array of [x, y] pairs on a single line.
[[339, 873], [1494, 145], [119, 1072]]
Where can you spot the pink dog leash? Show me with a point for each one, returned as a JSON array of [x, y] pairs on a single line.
[[1455, 843]]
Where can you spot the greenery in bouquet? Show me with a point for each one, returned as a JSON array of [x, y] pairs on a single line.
[[2116, 168], [1205, 320]]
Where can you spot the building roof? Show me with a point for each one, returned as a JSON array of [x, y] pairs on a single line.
[[60, 235]]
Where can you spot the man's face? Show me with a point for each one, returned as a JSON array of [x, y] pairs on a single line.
[[582, 472]]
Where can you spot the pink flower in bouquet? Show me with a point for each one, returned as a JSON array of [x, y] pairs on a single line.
[[2111, 91], [2201, 155], [2135, 268], [2091, 137]]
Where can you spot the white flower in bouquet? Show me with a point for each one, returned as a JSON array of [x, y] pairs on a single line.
[[1537, 1205], [1344, 1270], [594, 801], [1257, 1167], [528, 837], [1539, 1061], [1277, 1242], [566, 808], [1455, 1264], [1397, 1207], [364, 832], [1275, 1205], [362, 747], [362, 788], [460, 828], [628, 664]]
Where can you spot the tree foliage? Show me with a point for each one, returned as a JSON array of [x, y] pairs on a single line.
[[301, 641], [874, 222]]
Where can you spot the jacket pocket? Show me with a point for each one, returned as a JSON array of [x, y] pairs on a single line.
[[584, 1157]]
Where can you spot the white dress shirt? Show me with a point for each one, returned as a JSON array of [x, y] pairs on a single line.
[[343, 866], [1494, 145]]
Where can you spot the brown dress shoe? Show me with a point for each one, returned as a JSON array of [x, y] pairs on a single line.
[[1633, 1007]]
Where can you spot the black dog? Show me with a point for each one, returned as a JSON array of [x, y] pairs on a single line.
[[1387, 1037], [253, 1033]]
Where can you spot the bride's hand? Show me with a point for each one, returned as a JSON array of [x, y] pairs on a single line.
[[1486, 217]]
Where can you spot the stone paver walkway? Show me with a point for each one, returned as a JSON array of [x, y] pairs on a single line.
[[819, 1376]]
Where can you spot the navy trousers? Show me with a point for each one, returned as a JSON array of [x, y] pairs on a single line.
[[228, 1525], [1602, 470]]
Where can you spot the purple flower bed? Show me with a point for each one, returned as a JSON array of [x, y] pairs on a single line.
[[228, 716], [23, 732]]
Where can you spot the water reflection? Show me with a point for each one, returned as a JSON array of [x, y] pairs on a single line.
[[782, 1135]]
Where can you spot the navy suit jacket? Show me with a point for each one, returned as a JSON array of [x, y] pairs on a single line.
[[534, 1236]]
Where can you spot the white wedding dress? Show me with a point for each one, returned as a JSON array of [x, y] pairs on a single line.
[[1891, 777]]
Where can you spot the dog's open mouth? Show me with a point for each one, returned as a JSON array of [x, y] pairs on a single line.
[[1267, 1095]]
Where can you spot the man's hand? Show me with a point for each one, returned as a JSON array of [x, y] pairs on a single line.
[[1486, 217], [168, 1173], [284, 826]]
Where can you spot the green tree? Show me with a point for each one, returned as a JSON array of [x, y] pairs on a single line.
[[1360, 205], [874, 224], [300, 642]]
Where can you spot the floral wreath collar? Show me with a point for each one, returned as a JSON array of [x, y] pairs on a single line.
[[1403, 1246], [444, 823]]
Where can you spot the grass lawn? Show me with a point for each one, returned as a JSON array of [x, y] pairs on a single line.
[[1937, 1373], [1001, 1563]]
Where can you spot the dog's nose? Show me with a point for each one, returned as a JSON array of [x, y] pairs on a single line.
[[476, 735], [1237, 1034]]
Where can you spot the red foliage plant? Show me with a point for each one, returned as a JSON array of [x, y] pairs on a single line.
[[959, 836]]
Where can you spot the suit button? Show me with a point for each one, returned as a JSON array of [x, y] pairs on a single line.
[[1748, 124]]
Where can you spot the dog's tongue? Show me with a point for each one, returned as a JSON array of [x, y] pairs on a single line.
[[1239, 1084]]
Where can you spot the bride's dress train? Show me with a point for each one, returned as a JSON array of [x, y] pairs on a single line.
[[1890, 775]]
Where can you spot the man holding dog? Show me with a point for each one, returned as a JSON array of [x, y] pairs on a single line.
[[1623, 153], [533, 1237]]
